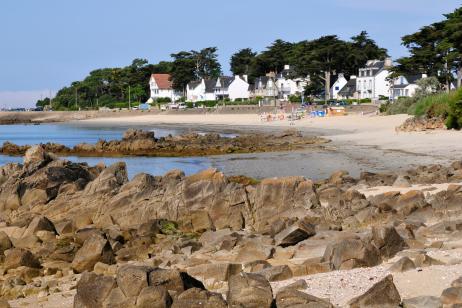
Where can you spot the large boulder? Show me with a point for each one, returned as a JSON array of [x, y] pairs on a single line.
[[383, 294], [198, 298], [132, 279], [5, 242], [154, 297], [109, 180], [95, 249], [290, 298], [402, 265], [36, 157], [276, 273], [92, 290], [388, 241], [294, 234], [173, 280], [275, 198], [451, 297], [422, 302], [249, 290], [351, 253], [17, 257], [39, 223]]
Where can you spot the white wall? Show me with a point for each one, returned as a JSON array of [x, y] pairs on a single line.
[[162, 93], [238, 89], [198, 94], [337, 86], [373, 86]]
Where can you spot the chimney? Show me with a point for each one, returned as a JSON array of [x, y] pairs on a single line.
[[340, 75], [286, 67], [246, 78], [388, 62], [352, 77]]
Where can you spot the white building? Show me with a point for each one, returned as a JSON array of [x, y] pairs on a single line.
[[239, 88], [201, 90], [348, 91], [372, 80], [161, 87], [405, 86], [337, 86], [287, 85]]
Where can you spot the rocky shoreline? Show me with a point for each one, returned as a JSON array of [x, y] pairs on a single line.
[[143, 143], [92, 238]]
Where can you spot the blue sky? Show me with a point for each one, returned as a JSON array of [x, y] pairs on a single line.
[[47, 44]]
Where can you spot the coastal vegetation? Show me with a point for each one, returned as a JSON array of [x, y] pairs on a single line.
[[320, 58]]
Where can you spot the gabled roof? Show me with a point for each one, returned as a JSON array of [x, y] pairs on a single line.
[[263, 80], [349, 89], [194, 84], [163, 81], [413, 78], [210, 85], [225, 81]]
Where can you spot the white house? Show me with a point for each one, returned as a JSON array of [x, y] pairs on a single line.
[[406, 85], [239, 88], [372, 79], [265, 86], [287, 85], [161, 87], [348, 90], [337, 86], [201, 90]]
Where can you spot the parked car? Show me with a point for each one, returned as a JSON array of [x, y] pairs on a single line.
[[182, 106], [173, 106], [163, 107]]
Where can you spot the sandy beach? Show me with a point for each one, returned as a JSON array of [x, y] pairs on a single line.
[[359, 142]]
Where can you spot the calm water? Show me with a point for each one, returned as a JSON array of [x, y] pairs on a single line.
[[71, 135]]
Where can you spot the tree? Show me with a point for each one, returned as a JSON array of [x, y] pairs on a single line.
[[193, 65], [43, 102], [207, 65], [320, 59], [243, 62], [273, 58], [183, 70], [435, 50], [361, 49]]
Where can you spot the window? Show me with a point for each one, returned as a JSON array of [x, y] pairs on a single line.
[[364, 86], [337, 88], [370, 84]]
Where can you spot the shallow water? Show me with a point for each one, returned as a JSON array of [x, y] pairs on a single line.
[[72, 134]]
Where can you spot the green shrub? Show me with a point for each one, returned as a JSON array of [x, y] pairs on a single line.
[[454, 119], [401, 105], [295, 99], [163, 100]]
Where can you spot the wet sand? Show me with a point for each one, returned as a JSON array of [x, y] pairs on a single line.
[[359, 143]]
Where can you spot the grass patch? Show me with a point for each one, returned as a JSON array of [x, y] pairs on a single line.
[[244, 180]]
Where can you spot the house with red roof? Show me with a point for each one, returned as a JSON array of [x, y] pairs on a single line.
[[161, 87]]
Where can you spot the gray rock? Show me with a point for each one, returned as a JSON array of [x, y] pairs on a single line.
[[290, 298], [294, 234], [249, 290], [92, 290], [422, 302], [383, 294], [132, 279], [451, 296], [95, 249], [351, 253], [17, 257], [276, 273], [198, 298], [154, 297], [402, 265]]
